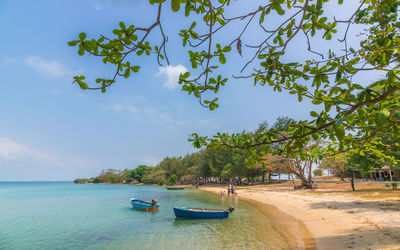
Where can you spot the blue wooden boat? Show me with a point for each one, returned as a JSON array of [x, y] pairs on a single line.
[[201, 213], [145, 205]]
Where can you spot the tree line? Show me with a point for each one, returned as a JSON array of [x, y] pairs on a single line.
[[230, 165]]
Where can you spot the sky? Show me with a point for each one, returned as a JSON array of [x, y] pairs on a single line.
[[50, 129]]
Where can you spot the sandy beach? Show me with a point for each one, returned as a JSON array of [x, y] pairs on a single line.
[[335, 219]]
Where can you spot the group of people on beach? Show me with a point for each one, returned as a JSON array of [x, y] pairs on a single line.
[[231, 190]]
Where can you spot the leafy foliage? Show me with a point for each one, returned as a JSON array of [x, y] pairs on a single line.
[[339, 164], [348, 115]]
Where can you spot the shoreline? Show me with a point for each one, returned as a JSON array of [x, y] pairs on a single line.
[[332, 221], [293, 230]]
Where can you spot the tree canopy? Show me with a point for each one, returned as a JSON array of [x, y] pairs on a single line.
[[349, 114]]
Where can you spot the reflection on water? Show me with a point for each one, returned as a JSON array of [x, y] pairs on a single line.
[[70, 216]]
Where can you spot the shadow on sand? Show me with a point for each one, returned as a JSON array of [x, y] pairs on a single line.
[[387, 238]]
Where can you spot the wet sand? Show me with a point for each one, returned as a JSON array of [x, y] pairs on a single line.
[[294, 231]]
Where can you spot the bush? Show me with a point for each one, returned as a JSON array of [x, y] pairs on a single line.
[[82, 180], [160, 181], [173, 179], [317, 172], [394, 185]]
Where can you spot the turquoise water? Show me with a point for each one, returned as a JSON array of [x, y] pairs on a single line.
[[63, 215]]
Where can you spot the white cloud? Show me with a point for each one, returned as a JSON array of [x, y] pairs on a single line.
[[81, 95], [147, 114], [17, 152], [9, 60], [211, 123], [50, 68], [150, 161], [10, 150], [100, 4], [121, 107], [172, 75]]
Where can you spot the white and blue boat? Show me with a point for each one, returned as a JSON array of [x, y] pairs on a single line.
[[201, 213], [145, 205]]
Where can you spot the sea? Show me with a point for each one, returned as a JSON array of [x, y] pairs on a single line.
[[64, 215]]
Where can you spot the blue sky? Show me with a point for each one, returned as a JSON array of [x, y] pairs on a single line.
[[52, 130]]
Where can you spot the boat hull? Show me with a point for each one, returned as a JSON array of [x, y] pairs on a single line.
[[175, 188], [200, 213], [144, 205]]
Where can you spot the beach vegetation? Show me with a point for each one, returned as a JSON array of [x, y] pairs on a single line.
[[81, 180], [337, 165], [228, 165], [173, 179], [317, 172]]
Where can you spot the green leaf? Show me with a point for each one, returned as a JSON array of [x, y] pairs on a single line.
[[338, 76], [135, 69], [328, 106], [175, 5], [316, 101], [73, 43], [81, 50], [83, 85], [82, 36], [339, 132], [299, 97], [187, 9], [222, 59], [279, 9], [339, 121], [383, 115], [185, 75], [307, 26]]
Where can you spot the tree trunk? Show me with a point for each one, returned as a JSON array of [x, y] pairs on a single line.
[[300, 171], [263, 177], [309, 165], [305, 182]]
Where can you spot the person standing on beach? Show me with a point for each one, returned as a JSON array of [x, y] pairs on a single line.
[[352, 184], [229, 190]]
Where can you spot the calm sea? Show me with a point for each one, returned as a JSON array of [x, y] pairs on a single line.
[[63, 215]]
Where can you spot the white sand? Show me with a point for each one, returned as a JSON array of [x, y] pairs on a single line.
[[335, 221]]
